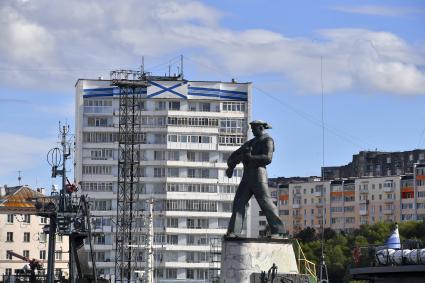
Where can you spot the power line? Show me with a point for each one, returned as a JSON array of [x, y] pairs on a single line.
[[349, 138]]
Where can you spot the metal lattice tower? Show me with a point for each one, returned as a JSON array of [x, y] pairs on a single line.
[[129, 140]]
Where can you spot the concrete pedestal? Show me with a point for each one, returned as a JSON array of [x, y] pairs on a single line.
[[241, 257]]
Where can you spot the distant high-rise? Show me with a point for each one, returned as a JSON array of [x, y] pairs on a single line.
[[188, 130], [376, 164]]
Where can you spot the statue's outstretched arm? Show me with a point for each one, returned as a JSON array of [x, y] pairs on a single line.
[[236, 157]]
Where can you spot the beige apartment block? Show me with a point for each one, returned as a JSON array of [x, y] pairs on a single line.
[[345, 204], [23, 234]]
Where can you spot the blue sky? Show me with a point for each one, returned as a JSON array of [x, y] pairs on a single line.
[[372, 54]]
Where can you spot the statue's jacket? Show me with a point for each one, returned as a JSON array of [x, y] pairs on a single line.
[[261, 149]]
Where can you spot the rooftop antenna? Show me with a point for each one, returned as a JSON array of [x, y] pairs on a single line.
[[142, 67], [181, 66], [323, 270], [169, 68], [19, 177]]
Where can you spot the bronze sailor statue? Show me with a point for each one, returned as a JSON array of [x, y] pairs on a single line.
[[255, 155]]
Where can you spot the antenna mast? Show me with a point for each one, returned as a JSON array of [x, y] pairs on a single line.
[[323, 272], [19, 177], [181, 66]]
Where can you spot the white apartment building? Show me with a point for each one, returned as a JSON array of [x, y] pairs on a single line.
[[189, 129], [23, 234]]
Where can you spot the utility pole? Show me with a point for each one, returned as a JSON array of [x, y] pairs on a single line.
[[64, 202], [150, 259]]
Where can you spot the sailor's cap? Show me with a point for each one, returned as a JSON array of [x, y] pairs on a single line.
[[261, 122]]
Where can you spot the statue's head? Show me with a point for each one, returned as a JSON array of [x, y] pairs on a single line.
[[258, 127]]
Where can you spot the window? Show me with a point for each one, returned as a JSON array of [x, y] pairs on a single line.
[[26, 237], [174, 105], [171, 273], [26, 253], [190, 274], [199, 173], [192, 121], [42, 237], [202, 273], [204, 107], [10, 218], [27, 218], [204, 156], [43, 220], [173, 222], [102, 205], [233, 106], [153, 121], [102, 137], [8, 256], [159, 155], [9, 237], [98, 122], [159, 172], [172, 239], [101, 154], [97, 106], [173, 172], [159, 138], [96, 186], [42, 254], [191, 156], [232, 125], [58, 255], [97, 170], [8, 271], [160, 105], [59, 238], [174, 155]]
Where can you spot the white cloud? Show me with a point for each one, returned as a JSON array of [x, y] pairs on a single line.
[[377, 10], [79, 38], [19, 152]]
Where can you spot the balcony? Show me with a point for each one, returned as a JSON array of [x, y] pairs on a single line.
[[388, 189], [363, 212], [364, 191], [296, 205], [388, 211], [364, 201], [318, 194]]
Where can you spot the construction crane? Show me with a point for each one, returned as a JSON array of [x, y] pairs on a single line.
[[33, 263]]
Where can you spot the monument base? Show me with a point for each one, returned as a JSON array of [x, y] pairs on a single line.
[[292, 278], [241, 257]]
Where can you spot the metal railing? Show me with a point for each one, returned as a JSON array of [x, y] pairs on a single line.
[[304, 265]]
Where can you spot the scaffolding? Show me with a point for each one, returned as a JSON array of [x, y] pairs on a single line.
[[129, 140]]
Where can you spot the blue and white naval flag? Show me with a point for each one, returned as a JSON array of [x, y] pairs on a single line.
[[393, 241]]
